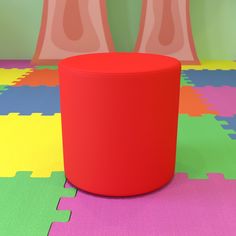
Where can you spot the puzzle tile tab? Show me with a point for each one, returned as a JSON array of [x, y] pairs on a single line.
[[3, 88], [10, 76], [44, 77], [26, 100], [28, 205], [212, 78], [30, 143], [55, 67], [184, 80], [192, 104], [228, 123], [204, 147], [184, 207], [222, 99]]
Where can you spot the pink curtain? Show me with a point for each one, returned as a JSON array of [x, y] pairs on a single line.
[[166, 29], [72, 27]]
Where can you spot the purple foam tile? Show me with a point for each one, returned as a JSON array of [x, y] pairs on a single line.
[[184, 207], [20, 64], [222, 99]]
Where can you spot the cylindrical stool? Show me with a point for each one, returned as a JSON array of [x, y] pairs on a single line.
[[119, 121]]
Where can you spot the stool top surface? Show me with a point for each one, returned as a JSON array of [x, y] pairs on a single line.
[[119, 63]]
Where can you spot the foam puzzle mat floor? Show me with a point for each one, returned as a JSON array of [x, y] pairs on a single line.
[[36, 199]]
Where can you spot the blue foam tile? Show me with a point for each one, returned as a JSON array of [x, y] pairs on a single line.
[[231, 124], [214, 78], [230, 120], [232, 136], [26, 100]]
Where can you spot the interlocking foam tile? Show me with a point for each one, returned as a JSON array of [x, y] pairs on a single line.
[[30, 143], [28, 205], [184, 207], [212, 65], [3, 88], [46, 67], [40, 77], [228, 123], [26, 100], [184, 80], [204, 147], [214, 78], [192, 104], [10, 76], [21, 64], [222, 99]]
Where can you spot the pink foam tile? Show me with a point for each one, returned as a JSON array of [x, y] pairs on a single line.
[[20, 64], [183, 208], [223, 99]]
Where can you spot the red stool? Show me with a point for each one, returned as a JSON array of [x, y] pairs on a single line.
[[119, 121]]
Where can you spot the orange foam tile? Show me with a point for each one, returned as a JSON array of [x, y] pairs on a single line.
[[44, 77], [192, 104]]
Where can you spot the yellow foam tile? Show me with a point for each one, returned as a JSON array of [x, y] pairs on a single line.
[[212, 65], [30, 143], [9, 76]]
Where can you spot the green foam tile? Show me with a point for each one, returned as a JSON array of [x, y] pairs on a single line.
[[204, 147], [28, 205], [3, 88], [184, 80], [46, 67]]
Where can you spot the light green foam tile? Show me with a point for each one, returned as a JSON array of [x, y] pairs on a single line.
[[204, 147], [46, 67], [28, 205], [2, 87], [184, 80]]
